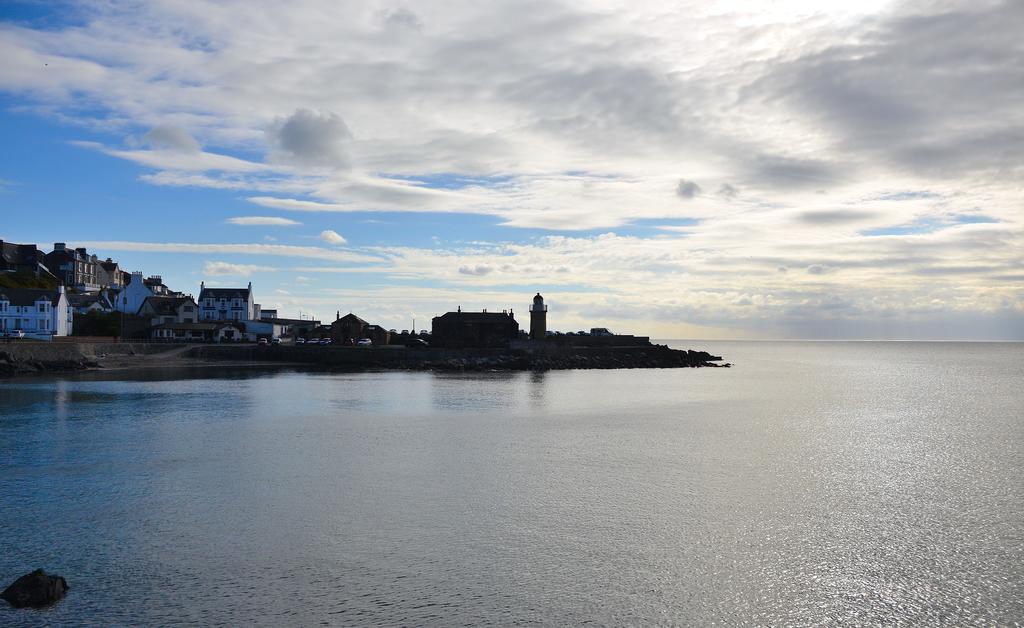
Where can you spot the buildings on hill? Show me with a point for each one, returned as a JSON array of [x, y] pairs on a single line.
[[227, 304], [40, 314], [75, 268], [162, 310], [22, 258], [110, 275], [100, 302]]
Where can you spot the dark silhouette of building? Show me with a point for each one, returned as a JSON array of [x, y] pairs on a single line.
[[21, 258], [473, 329], [349, 329], [538, 319]]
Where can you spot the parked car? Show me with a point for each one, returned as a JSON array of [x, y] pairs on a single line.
[[364, 342], [325, 341], [417, 343], [14, 333], [275, 341], [300, 341], [600, 331], [262, 341]]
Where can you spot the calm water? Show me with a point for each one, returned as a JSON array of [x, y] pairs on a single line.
[[854, 483]]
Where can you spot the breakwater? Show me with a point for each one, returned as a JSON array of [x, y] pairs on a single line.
[[26, 358], [401, 358]]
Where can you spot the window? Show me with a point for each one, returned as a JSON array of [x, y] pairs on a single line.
[[44, 324], [43, 307]]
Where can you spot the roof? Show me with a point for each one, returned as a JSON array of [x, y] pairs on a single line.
[[28, 296], [109, 266], [88, 298], [196, 326], [165, 305], [290, 321], [224, 293], [351, 318], [12, 253], [476, 317]]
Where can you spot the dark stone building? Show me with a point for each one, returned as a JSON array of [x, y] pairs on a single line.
[[474, 329], [349, 329], [73, 267], [21, 258]]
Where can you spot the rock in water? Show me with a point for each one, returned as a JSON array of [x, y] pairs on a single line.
[[35, 589]]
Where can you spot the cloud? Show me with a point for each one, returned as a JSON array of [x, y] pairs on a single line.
[[179, 160], [728, 191], [332, 237], [171, 138], [402, 18], [849, 119], [262, 221], [687, 189], [476, 271], [835, 216], [276, 250], [212, 269], [786, 172], [311, 138]]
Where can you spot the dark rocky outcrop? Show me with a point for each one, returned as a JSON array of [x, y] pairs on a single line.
[[12, 364], [545, 358], [35, 590], [655, 356]]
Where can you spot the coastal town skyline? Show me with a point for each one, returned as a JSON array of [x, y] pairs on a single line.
[[807, 172]]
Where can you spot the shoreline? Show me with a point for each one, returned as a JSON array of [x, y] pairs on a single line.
[[33, 359]]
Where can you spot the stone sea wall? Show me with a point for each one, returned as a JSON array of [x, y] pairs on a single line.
[[20, 358]]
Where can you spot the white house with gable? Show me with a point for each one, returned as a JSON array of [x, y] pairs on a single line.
[[37, 313], [227, 304], [131, 298]]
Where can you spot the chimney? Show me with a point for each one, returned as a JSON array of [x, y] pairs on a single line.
[[81, 250], [59, 246], [337, 315], [202, 285]]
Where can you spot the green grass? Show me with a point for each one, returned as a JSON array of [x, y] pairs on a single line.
[[25, 280]]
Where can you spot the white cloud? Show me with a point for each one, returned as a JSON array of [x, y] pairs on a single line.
[[276, 250], [171, 138], [332, 237], [262, 221], [213, 269], [179, 160]]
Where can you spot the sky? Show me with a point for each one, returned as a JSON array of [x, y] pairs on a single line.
[[780, 169]]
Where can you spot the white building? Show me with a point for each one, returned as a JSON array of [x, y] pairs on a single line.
[[227, 304], [131, 298], [41, 314]]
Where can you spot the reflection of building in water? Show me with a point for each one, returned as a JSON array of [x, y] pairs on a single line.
[[538, 318]]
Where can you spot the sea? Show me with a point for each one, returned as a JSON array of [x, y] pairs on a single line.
[[813, 483]]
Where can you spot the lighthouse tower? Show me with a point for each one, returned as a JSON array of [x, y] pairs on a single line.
[[538, 318]]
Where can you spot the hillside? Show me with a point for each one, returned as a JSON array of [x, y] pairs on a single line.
[[25, 280]]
